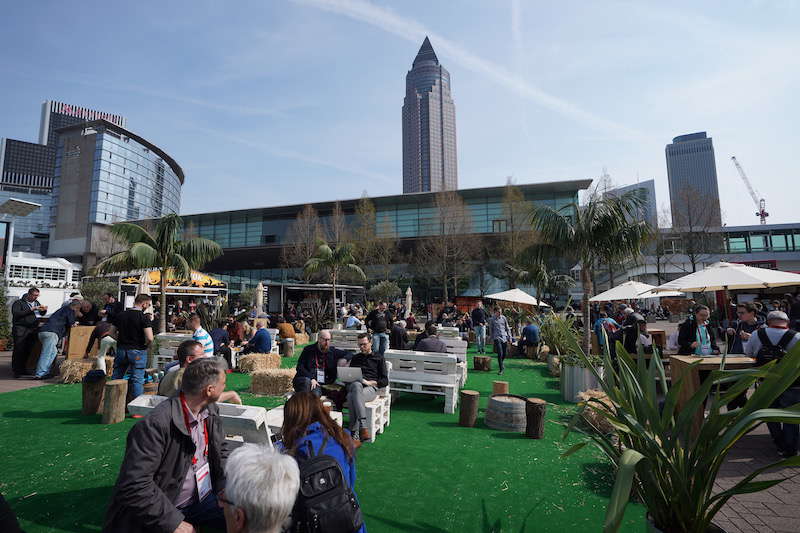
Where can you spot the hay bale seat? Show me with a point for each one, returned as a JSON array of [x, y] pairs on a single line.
[[592, 414], [253, 362], [272, 382], [74, 370]]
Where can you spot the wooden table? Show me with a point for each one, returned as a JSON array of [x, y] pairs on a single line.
[[659, 337], [681, 368]]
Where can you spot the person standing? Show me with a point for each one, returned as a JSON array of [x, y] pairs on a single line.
[[111, 308], [695, 336], [105, 333], [89, 314], [501, 334], [740, 332], [479, 326], [53, 331], [23, 328], [374, 377], [174, 463], [135, 335], [378, 320]]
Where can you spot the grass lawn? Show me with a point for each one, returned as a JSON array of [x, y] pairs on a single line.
[[425, 474]]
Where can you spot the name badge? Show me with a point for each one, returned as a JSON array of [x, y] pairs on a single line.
[[320, 376], [203, 477]]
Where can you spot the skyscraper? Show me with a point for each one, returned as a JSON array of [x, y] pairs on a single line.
[[27, 170], [646, 191], [693, 190], [429, 126]]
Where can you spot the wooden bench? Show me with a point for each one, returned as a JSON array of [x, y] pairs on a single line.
[[425, 373]]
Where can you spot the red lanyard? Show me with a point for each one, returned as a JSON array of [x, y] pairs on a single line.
[[185, 410]]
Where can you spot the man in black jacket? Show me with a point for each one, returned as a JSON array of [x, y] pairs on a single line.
[[479, 324], [374, 377], [317, 364], [24, 318], [379, 320], [398, 338], [174, 464]]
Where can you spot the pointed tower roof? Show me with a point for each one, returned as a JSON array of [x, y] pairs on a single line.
[[426, 53]]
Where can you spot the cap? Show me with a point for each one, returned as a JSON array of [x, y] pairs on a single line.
[[628, 310], [777, 315]]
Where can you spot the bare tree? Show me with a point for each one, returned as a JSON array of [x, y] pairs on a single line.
[[447, 256], [518, 234], [696, 220], [375, 241], [336, 229], [302, 238]]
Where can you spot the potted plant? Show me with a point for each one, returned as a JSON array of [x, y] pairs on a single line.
[[561, 336], [657, 455], [579, 374]]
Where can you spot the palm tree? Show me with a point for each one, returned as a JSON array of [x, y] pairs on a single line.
[[334, 262], [163, 250], [604, 227]]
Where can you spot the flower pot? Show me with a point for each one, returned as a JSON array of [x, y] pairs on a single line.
[[575, 379]]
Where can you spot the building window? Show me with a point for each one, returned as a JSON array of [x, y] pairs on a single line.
[[499, 226]]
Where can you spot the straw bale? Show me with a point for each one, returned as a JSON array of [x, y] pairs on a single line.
[[543, 351], [300, 339], [593, 414], [272, 382], [73, 370], [258, 361], [554, 365]]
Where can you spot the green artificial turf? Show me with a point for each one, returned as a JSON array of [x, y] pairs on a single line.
[[424, 474]]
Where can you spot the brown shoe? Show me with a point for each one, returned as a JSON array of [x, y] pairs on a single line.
[[363, 434], [357, 444]]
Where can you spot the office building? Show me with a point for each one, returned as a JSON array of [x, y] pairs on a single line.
[[429, 126], [105, 174], [693, 190], [646, 190], [27, 170]]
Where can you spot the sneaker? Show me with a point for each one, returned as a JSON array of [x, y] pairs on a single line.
[[500, 373]]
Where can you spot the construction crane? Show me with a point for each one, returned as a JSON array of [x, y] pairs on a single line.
[[761, 204]]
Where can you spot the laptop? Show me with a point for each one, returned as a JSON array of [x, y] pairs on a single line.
[[347, 374]]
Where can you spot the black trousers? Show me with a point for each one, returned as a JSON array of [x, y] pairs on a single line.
[[24, 339], [500, 348]]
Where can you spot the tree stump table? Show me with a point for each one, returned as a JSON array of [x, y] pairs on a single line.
[[116, 391], [499, 387], [535, 409], [468, 410], [482, 363], [92, 396]]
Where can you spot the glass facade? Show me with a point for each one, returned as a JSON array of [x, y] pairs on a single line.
[[777, 240]]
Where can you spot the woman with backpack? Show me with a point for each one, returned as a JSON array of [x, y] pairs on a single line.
[[323, 451]]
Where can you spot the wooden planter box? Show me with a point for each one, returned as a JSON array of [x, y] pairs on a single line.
[[575, 379]]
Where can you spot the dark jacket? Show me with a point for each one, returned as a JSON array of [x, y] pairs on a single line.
[[373, 367], [157, 458], [307, 362], [23, 317], [431, 344], [90, 317], [398, 338], [479, 316], [687, 334], [379, 322]]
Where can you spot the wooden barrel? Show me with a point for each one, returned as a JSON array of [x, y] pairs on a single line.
[[506, 412]]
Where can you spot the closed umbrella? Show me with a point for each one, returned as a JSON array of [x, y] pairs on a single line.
[[259, 298], [408, 302], [144, 288], [631, 290]]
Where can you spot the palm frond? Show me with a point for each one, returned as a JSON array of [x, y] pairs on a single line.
[[168, 233], [198, 251], [132, 233], [118, 262]]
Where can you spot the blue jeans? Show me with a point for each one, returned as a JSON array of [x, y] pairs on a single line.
[[137, 361], [785, 435], [49, 341], [480, 338], [380, 342], [206, 513], [500, 348]]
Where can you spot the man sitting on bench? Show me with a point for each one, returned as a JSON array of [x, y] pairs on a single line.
[[317, 365], [431, 343], [374, 377]]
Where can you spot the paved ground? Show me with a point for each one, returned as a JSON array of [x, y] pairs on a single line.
[[7, 381]]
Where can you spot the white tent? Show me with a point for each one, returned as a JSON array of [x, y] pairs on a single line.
[[631, 290], [517, 296], [730, 276]]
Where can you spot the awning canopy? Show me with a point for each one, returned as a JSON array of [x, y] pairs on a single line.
[[730, 276], [517, 296], [154, 277], [631, 290]]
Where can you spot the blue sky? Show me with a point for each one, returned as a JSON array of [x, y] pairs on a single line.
[[271, 103]]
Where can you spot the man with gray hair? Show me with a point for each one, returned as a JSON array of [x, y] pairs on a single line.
[[765, 345], [174, 464], [261, 488]]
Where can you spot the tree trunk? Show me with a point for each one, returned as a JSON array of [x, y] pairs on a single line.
[[468, 410], [444, 282], [535, 410], [587, 290], [162, 299], [333, 284], [115, 393]]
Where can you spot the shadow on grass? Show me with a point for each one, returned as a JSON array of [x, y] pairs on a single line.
[[417, 526], [73, 416], [496, 526], [64, 511], [509, 435], [598, 477], [442, 424]]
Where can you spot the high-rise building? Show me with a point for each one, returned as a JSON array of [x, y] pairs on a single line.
[[429, 126], [693, 190], [646, 191], [27, 170], [105, 174]]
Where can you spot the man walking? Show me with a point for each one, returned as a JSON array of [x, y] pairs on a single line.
[[135, 333], [174, 464], [24, 324], [378, 320], [479, 326], [501, 334], [56, 329], [374, 377]]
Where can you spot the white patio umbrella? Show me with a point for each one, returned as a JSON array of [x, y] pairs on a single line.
[[259, 298], [517, 296], [408, 301], [730, 276], [631, 290]]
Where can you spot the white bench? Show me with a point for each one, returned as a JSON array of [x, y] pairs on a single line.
[[425, 373], [273, 334], [246, 421], [447, 331]]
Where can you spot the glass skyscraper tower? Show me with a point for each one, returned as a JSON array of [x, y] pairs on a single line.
[[429, 126], [692, 174]]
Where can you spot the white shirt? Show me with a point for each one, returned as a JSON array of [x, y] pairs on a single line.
[[753, 344]]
